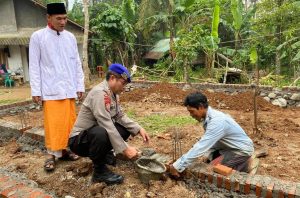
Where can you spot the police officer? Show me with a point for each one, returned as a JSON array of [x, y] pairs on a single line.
[[102, 126]]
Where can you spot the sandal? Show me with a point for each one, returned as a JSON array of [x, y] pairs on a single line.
[[69, 156], [49, 164]]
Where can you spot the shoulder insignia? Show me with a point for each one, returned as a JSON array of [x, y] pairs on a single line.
[[107, 102]]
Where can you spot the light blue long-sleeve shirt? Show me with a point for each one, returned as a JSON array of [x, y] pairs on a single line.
[[221, 133]]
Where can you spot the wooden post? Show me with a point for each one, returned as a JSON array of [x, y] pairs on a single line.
[[86, 69], [255, 93]]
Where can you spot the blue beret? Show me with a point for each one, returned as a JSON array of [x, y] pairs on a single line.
[[120, 69]]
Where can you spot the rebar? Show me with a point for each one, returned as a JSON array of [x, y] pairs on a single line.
[[177, 152]]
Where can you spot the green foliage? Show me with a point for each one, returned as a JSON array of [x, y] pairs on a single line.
[[128, 10], [113, 33], [209, 26], [187, 3], [280, 20], [76, 14], [216, 20], [236, 10], [158, 123], [111, 24], [253, 55], [275, 80]]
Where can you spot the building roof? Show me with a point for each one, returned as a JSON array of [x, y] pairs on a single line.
[[44, 7], [22, 36]]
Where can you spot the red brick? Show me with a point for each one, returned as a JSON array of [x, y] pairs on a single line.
[[47, 196], [3, 178], [258, 190], [227, 184], [247, 186], [280, 194], [270, 190], [7, 184], [35, 194], [13, 188], [236, 186], [216, 161], [202, 177], [219, 181], [210, 178], [223, 170]]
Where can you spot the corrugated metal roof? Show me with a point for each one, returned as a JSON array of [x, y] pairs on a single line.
[[22, 37], [159, 49], [14, 41]]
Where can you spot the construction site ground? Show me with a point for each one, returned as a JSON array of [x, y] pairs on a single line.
[[279, 135]]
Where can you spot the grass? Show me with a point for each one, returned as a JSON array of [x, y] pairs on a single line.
[[158, 123], [10, 101]]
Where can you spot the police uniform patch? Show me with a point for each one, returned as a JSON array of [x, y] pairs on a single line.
[[107, 102]]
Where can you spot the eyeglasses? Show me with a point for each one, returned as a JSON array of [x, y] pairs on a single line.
[[123, 81]]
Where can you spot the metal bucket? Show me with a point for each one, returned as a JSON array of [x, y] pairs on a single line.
[[149, 169]]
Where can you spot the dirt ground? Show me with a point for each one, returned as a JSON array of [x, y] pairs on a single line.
[[280, 129], [15, 94]]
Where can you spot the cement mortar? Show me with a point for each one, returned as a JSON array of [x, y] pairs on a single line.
[[29, 145], [211, 191], [7, 134]]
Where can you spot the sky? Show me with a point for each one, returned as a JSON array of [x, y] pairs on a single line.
[[71, 2]]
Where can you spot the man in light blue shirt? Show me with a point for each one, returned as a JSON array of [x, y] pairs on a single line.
[[224, 141]]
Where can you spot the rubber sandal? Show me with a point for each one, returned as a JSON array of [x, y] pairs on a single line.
[[49, 164], [69, 156]]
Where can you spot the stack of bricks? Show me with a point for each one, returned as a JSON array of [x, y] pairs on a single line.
[[243, 183], [11, 188]]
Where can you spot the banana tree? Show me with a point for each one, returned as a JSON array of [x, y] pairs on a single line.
[[116, 33], [290, 50], [211, 47], [236, 10], [167, 13]]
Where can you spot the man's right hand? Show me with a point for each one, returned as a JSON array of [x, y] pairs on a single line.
[[36, 99], [130, 152]]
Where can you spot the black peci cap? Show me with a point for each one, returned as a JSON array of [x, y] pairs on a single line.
[[56, 8]]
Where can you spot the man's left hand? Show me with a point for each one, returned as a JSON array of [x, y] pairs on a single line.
[[173, 171], [80, 96], [144, 135]]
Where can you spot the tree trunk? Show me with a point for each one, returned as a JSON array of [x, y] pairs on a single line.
[[186, 71], [86, 68], [277, 62], [172, 32], [279, 40], [256, 91], [225, 75], [208, 64]]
